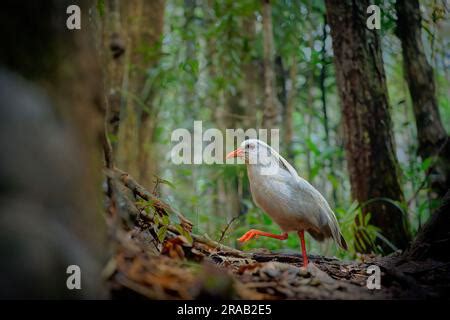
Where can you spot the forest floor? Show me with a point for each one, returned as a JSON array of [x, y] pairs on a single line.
[[166, 261]]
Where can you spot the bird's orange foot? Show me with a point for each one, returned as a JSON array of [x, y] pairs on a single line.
[[248, 236], [256, 233]]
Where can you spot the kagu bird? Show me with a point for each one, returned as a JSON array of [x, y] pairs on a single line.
[[293, 203]]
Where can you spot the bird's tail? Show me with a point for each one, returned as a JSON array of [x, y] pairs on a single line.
[[342, 243], [337, 235], [327, 233], [335, 230]]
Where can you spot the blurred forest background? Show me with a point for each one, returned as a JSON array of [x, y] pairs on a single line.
[[269, 64]]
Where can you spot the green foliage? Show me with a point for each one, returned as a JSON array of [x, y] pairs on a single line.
[[352, 221], [101, 7]]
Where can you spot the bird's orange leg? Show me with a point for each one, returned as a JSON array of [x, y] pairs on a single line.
[[256, 233], [301, 234]]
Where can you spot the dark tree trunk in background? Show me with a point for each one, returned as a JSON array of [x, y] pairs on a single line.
[[189, 7], [51, 125], [369, 144], [323, 76], [433, 139], [288, 118], [272, 106], [252, 83], [144, 22], [281, 76], [323, 97]]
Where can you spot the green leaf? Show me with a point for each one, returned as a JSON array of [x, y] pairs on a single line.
[[312, 147], [425, 165], [266, 219], [112, 137], [187, 235], [333, 180], [314, 172], [166, 182], [367, 219], [156, 220], [162, 233], [165, 220], [385, 240], [101, 7]]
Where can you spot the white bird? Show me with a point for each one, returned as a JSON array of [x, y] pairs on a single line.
[[291, 201]]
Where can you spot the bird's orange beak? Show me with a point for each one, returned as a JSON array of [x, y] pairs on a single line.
[[236, 153]]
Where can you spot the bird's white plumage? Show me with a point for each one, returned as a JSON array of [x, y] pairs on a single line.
[[292, 202]]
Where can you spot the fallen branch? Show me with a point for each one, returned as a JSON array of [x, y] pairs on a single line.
[[137, 189], [220, 247]]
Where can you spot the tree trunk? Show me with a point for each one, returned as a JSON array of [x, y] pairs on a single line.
[[288, 118], [433, 139], [144, 28], [252, 84], [433, 240], [114, 46], [323, 98], [272, 107], [190, 56], [370, 152], [323, 75], [309, 117], [51, 113]]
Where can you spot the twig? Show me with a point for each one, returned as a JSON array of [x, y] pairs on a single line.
[[155, 188], [224, 231]]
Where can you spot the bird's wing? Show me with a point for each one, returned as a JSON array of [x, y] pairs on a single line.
[[313, 202], [283, 164], [319, 207]]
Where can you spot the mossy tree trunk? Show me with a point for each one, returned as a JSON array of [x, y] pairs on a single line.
[[369, 144], [51, 125], [433, 139], [113, 34]]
